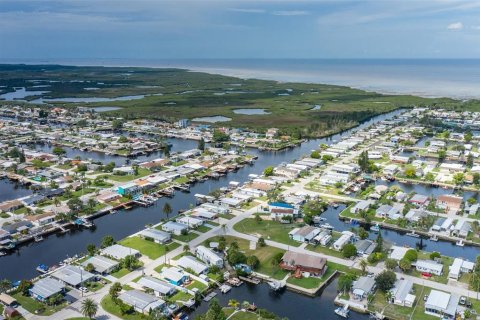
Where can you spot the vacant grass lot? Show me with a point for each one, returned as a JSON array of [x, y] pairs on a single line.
[[149, 248], [270, 230], [32, 305]]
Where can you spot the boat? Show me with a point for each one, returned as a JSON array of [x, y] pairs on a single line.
[[38, 238], [343, 311], [434, 238], [413, 234], [3, 253], [276, 285], [225, 288], [42, 268], [375, 228], [327, 226], [460, 243]]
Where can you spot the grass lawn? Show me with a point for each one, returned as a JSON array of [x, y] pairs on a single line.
[[325, 250], [110, 306], [120, 273], [243, 315], [270, 230], [227, 216], [95, 286], [380, 303], [32, 305], [203, 229], [307, 283], [186, 238], [180, 296], [142, 172], [149, 248], [196, 284], [181, 180], [160, 267], [22, 210]]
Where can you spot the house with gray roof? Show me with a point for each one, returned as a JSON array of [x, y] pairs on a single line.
[[72, 275], [401, 293], [363, 287], [160, 288], [142, 302], [46, 288]]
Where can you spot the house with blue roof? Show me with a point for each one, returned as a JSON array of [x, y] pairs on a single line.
[[279, 210]]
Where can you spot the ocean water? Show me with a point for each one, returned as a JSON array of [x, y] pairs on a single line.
[[455, 78]]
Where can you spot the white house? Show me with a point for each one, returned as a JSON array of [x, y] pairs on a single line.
[[441, 304], [429, 266], [458, 267], [208, 256], [345, 238]]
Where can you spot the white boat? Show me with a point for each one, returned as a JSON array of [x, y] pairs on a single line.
[[413, 234], [375, 228], [276, 285], [38, 238], [225, 288], [434, 238], [326, 226], [2, 253], [342, 311], [460, 243]]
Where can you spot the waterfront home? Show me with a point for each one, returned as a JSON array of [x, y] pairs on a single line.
[[295, 261], [346, 237], [429, 266], [41, 219], [128, 188], [17, 226], [209, 256], [174, 227], [414, 215], [460, 266], [419, 200], [360, 206], [345, 168], [46, 288], [140, 301], [473, 209], [108, 196], [452, 167], [174, 275], [279, 210], [462, 228], [332, 178], [155, 235], [399, 159], [72, 275], [450, 203], [9, 206], [160, 288], [441, 304], [287, 172], [119, 252], [190, 222], [391, 212], [304, 234], [401, 293], [323, 238], [365, 247], [101, 265], [32, 200], [397, 253], [204, 213], [362, 287], [189, 262]]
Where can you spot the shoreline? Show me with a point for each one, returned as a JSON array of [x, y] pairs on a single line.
[[351, 79]]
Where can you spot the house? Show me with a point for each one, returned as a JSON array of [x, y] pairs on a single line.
[[189, 262], [46, 288], [450, 203], [142, 302], [293, 261], [323, 238], [390, 170], [458, 267], [72, 275], [174, 275], [190, 221], [419, 200], [278, 210], [461, 228], [365, 247], [304, 234], [124, 170], [363, 287], [208, 256], [155, 235], [441, 304], [345, 238], [101, 264], [119, 252], [401, 293], [397, 253], [414, 215], [159, 287], [429, 266], [128, 188], [174, 227], [360, 206], [41, 219]]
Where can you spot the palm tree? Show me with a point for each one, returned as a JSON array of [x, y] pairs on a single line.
[[363, 265], [56, 201], [233, 303], [167, 209], [5, 285], [89, 308]]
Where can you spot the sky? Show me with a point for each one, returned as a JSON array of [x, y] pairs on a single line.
[[136, 29]]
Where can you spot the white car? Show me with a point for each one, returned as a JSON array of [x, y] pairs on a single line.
[[83, 289]]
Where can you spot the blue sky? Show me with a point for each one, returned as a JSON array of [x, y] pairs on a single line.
[[95, 29]]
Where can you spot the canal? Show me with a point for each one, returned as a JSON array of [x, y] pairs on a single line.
[[22, 263]]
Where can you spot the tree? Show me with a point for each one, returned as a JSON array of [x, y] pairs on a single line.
[[362, 233], [58, 151], [468, 136], [345, 282], [315, 154], [215, 311], [430, 177], [459, 178], [117, 124], [411, 255], [89, 308], [24, 286], [5, 285], [363, 161], [410, 171], [258, 219], [385, 280], [326, 158], [107, 241], [130, 262], [469, 160], [253, 262], [405, 264], [167, 209], [268, 171], [442, 154], [349, 250], [261, 242], [89, 267], [233, 303], [91, 249], [435, 255], [201, 144], [219, 136], [391, 264], [114, 290], [476, 178], [363, 265], [379, 247]]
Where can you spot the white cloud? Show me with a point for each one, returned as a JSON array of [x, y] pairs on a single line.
[[247, 10], [455, 26], [290, 13]]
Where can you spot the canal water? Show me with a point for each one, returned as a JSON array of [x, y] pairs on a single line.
[[22, 263], [10, 190], [285, 304]]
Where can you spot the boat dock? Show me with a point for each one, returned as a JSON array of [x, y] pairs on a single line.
[[250, 279]]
